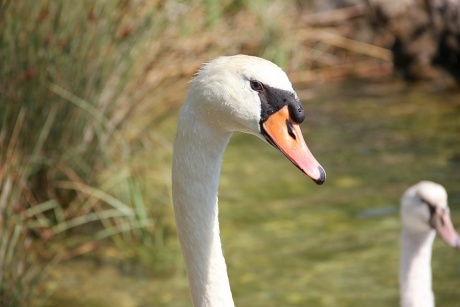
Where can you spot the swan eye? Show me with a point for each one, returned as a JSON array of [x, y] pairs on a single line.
[[431, 207], [256, 86]]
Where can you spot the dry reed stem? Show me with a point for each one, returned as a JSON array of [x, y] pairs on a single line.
[[334, 17], [337, 40], [364, 69]]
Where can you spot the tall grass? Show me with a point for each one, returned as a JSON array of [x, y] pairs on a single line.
[[64, 67], [20, 270]]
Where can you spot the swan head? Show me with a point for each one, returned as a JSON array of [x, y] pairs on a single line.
[[424, 208], [253, 95]]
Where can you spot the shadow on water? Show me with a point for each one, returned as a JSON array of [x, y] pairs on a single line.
[[289, 242]]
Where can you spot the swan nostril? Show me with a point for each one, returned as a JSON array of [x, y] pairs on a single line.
[[290, 129]]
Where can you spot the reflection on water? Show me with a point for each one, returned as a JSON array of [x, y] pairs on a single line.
[[289, 242]]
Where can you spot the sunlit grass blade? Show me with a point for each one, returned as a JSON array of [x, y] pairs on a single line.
[[98, 194]]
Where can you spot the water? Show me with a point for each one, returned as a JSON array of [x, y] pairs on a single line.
[[289, 242]]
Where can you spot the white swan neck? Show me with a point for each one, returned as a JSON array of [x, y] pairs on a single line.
[[197, 157], [415, 269]]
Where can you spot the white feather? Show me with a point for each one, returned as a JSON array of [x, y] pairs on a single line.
[[219, 102]]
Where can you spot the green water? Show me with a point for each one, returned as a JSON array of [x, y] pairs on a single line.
[[289, 242]]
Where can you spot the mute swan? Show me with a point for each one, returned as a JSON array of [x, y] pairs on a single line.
[[236, 93], [424, 212]]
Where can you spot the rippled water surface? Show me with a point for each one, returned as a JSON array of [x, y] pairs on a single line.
[[289, 242]]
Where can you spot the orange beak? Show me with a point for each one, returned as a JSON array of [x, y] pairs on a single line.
[[285, 135], [443, 224]]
